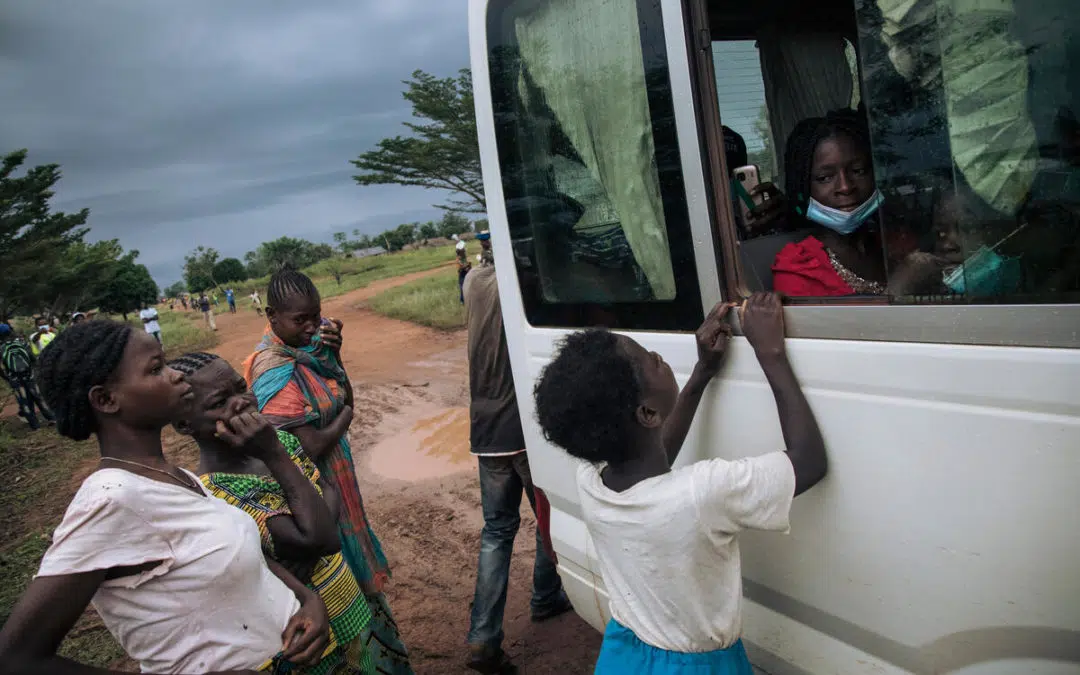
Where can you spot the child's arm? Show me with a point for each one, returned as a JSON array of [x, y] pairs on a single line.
[[317, 442], [763, 323], [712, 341]]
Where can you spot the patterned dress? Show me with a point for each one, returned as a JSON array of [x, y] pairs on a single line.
[[262, 498], [306, 386]]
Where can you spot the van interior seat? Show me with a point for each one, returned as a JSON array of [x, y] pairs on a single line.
[[757, 256]]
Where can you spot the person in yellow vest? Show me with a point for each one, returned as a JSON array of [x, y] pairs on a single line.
[[42, 335]]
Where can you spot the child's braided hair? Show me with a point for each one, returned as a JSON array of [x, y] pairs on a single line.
[[286, 283]]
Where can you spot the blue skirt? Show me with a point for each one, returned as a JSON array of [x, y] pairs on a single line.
[[623, 652]]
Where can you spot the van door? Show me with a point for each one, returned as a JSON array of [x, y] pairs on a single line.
[[596, 197]]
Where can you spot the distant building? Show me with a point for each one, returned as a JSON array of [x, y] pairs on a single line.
[[368, 252]]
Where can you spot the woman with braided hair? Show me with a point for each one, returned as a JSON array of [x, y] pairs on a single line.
[[178, 577], [831, 190], [277, 485], [301, 386]]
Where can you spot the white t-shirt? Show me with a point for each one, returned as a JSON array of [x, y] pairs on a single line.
[[151, 326], [668, 549], [212, 603]]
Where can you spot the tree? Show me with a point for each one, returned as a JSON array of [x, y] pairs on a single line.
[[77, 279], [336, 267], [33, 238], [176, 290], [428, 230], [400, 237], [341, 240], [442, 153], [272, 255], [199, 269], [128, 286], [453, 223], [229, 269]]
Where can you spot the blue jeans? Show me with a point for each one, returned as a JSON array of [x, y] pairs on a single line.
[[502, 480]]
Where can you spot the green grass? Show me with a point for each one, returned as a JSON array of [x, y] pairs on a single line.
[[432, 301], [38, 468], [362, 272]]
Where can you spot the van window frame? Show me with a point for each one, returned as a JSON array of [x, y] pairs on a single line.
[[686, 208], [863, 319]]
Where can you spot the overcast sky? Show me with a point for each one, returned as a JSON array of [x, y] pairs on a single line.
[[221, 123]]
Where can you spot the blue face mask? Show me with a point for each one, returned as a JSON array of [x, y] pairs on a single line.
[[985, 273], [843, 222]]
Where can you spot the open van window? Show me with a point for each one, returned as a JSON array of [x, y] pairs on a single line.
[[963, 116], [590, 163]]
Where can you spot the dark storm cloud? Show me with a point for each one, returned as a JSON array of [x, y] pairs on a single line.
[[218, 123]]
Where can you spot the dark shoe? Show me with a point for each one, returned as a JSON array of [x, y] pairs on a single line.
[[490, 660], [558, 609]]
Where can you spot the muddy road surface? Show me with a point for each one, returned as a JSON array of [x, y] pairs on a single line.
[[410, 438]]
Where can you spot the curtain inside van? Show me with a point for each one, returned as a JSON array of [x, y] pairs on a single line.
[[805, 75], [984, 71], [585, 60]]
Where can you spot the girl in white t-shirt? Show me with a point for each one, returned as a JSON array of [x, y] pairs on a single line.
[[666, 538], [177, 576]]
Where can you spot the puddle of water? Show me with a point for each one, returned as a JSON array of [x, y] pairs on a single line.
[[436, 445]]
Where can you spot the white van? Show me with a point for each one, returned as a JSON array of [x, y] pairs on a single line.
[[946, 538]]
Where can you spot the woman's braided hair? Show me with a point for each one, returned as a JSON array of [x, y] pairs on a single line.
[[80, 358], [286, 283], [803, 141], [192, 362]]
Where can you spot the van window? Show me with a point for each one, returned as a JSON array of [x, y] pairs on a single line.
[[961, 146], [590, 165]]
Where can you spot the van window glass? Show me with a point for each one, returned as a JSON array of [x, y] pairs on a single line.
[[590, 164], [740, 92], [952, 175]]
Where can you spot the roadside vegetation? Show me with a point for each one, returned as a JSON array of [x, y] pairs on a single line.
[[430, 301]]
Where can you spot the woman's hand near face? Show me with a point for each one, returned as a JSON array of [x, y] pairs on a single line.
[[249, 433]]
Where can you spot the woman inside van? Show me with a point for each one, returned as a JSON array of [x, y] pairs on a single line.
[[831, 192]]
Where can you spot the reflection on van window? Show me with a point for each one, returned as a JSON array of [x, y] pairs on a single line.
[[952, 177], [589, 158]]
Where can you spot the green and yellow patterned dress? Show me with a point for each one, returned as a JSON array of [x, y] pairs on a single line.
[[262, 498]]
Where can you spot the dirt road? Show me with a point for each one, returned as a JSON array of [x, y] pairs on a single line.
[[410, 440]]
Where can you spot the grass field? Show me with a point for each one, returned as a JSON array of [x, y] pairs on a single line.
[[360, 272], [432, 301]]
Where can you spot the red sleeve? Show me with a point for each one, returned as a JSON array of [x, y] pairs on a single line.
[[803, 269]]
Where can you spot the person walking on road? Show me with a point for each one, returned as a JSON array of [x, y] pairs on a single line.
[[256, 302], [230, 297], [149, 316], [496, 437], [207, 312]]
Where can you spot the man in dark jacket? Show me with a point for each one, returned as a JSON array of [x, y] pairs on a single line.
[[499, 442]]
